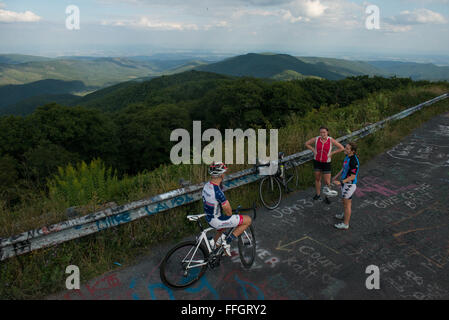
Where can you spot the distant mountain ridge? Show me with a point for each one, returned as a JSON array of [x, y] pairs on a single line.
[[20, 58], [416, 71], [267, 66], [121, 95], [97, 72], [109, 81], [12, 94]]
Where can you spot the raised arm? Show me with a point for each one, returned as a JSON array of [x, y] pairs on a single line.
[[339, 146], [309, 144]]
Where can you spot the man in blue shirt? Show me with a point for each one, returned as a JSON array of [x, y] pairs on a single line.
[[348, 182], [218, 210]]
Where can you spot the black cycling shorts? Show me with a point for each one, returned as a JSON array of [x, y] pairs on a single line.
[[325, 167]]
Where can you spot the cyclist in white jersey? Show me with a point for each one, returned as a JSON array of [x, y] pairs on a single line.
[[218, 210]]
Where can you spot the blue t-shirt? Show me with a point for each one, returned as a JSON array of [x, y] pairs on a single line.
[[213, 199], [350, 167]]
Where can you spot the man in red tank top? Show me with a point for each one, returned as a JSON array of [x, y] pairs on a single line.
[[321, 147]]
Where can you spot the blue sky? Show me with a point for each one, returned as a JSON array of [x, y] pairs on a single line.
[[408, 28]]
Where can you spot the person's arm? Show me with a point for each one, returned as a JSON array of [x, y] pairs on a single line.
[[227, 208], [339, 146], [224, 203], [334, 179], [350, 178], [309, 143]]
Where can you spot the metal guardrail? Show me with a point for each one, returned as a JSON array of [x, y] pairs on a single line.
[[76, 228]]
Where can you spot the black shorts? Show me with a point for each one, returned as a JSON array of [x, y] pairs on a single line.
[[325, 167]]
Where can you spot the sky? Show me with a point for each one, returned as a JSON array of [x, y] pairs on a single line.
[[408, 29]]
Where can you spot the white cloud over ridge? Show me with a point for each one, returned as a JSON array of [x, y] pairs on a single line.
[[155, 24], [11, 16], [405, 21], [419, 16]]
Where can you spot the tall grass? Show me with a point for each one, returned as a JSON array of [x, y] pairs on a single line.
[[88, 186]]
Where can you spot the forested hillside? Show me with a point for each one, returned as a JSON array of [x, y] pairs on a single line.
[[128, 126]]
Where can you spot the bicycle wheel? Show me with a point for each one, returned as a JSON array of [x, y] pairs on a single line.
[[247, 247], [291, 176], [184, 265], [270, 192]]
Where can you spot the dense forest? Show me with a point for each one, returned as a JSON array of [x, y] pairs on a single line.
[[128, 126]]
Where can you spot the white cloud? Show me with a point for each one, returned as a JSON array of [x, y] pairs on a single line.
[[219, 24], [391, 28], [152, 24], [155, 24], [325, 13], [253, 12], [306, 10], [405, 21], [11, 16], [419, 16], [312, 8], [287, 15]]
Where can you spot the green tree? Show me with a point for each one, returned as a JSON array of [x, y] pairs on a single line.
[[9, 186], [145, 135], [88, 133]]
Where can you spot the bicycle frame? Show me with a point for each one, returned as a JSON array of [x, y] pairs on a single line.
[[201, 238]]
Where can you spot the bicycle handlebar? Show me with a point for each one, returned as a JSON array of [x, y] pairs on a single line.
[[253, 208]]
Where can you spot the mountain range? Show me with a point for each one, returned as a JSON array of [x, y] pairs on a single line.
[[29, 81]]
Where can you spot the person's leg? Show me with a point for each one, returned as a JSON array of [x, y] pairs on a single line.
[[347, 207], [318, 182], [218, 235], [245, 224], [327, 178], [327, 182]]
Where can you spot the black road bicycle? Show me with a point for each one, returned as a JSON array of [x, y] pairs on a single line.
[[187, 262], [270, 190]]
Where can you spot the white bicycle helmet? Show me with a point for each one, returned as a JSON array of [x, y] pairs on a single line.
[[216, 169]]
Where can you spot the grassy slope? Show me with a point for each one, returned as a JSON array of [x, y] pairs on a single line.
[[292, 75]]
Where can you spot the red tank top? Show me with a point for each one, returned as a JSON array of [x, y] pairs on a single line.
[[323, 149]]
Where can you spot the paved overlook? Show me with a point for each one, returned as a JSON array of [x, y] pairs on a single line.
[[400, 223]]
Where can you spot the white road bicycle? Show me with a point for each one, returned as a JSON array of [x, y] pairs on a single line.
[[187, 262]]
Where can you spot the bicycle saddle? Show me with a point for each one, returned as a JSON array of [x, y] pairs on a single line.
[[195, 217]]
